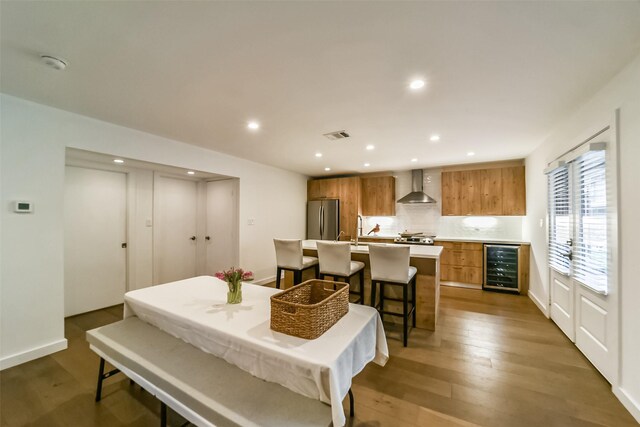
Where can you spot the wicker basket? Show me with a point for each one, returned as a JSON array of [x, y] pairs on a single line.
[[309, 309]]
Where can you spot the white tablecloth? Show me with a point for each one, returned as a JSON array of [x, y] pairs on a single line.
[[195, 310]]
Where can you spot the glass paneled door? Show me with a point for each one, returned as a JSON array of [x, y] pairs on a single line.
[[582, 288]]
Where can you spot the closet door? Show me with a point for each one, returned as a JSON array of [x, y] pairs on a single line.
[[95, 265], [175, 233], [222, 244]]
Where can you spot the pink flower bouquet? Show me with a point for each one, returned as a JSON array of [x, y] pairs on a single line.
[[234, 278]]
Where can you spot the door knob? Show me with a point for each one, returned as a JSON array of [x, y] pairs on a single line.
[[193, 237], [124, 245], [207, 238]]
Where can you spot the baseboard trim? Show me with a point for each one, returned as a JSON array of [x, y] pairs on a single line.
[[628, 402], [543, 307], [32, 354], [265, 280]]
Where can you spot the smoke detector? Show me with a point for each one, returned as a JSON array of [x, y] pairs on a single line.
[[53, 62], [341, 134]]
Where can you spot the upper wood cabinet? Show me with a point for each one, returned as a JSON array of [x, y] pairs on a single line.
[[322, 189], [345, 189], [378, 196], [514, 197], [498, 191]]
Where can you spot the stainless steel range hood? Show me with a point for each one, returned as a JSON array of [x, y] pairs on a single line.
[[416, 195]]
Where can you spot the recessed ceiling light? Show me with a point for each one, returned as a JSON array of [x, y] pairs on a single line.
[[370, 147], [191, 172], [119, 161], [327, 169], [253, 125], [318, 154], [414, 160], [366, 165], [417, 84], [471, 153], [434, 138]]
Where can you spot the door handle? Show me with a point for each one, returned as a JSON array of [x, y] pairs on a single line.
[[192, 237], [568, 255], [321, 221], [207, 238], [124, 245]]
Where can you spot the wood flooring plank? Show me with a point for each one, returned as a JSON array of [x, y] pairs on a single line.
[[494, 360]]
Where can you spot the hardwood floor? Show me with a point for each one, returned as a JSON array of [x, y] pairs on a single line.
[[495, 360]]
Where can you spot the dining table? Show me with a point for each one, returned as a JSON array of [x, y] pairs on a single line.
[[195, 310]]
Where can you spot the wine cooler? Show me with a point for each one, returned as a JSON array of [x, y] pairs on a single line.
[[502, 267]]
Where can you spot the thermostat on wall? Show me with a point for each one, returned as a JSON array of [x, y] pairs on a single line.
[[23, 207]]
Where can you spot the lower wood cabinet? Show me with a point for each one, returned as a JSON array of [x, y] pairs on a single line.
[[461, 262], [457, 273]]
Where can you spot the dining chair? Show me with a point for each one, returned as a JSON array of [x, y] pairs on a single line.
[[390, 267], [335, 261], [289, 257]]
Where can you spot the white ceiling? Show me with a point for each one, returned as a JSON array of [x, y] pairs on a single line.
[[499, 75]]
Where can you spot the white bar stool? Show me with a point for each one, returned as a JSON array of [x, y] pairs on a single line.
[[335, 261], [390, 266], [289, 257]]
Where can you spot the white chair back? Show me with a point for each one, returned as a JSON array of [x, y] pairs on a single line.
[[389, 262], [289, 253], [334, 257]]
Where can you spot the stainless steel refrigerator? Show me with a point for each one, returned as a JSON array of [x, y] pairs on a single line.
[[323, 219]]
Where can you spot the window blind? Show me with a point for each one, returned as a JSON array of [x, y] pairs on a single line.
[[590, 251], [559, 219]]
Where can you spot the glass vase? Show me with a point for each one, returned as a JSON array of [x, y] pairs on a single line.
[[234, 296]]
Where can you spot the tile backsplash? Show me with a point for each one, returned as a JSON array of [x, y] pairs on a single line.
[[427, 218]]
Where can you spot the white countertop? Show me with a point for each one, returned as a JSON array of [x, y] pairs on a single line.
[[417, 251], [481, 240], [379, 236]]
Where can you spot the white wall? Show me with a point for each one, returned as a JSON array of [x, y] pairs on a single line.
[[622, 92], [34, 138]]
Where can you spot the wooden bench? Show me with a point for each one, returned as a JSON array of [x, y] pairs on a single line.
[[204, 389]]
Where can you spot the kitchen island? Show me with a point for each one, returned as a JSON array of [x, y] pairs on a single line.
[[425, 258]]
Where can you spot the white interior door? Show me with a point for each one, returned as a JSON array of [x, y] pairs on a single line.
[[95, 206], [222, 225], [175, 238]]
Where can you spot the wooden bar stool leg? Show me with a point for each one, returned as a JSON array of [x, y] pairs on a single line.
[[316, 271], [413, 292], [374, 285], [352, 412], [278, 274], [361, 277], [381, 301], [297, 277], [163, 414], [405, 309]]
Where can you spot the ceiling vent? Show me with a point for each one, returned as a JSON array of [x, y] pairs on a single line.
[[341, 134]]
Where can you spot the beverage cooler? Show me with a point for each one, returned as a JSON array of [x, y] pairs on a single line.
[[502, 268]]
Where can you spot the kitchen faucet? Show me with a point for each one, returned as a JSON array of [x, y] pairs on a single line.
[[359, 230], [340, 234]]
